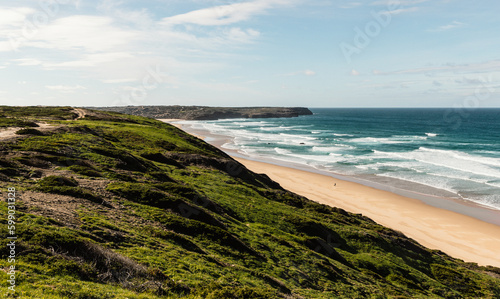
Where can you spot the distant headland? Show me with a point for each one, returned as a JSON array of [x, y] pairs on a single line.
[[207, 113]]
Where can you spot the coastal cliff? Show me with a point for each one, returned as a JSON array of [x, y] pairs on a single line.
[[109, 205], [208, 113]]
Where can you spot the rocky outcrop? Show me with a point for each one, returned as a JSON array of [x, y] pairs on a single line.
[[208, 113]]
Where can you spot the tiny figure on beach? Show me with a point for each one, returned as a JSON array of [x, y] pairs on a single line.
[[334, 184]]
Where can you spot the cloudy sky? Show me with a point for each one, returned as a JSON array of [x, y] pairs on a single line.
[[314, 53]]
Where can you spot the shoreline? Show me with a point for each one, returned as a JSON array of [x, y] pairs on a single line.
[[443, 226], [451, 203]]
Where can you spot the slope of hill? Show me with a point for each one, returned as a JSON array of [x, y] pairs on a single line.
[[118, 206], [208, 113]]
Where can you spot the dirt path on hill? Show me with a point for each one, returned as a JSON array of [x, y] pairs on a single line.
[[80, 112]]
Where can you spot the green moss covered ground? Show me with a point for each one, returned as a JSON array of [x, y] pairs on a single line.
[[117, 206]]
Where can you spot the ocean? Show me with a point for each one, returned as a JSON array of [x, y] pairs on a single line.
[[438, 152]]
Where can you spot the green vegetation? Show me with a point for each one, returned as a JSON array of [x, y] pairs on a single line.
[[37, 112], [65, 186], [15, 122], [29, 131], [116, 206]]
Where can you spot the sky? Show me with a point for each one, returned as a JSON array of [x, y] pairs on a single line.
[[310, 53]]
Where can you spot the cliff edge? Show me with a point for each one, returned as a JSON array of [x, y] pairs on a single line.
[[208, 113]]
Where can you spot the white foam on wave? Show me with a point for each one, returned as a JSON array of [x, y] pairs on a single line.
[[450, 159], [342, 135], [251, 123], [367, 167], [468, 178], [252, 137], [230, 146], [373, 140], [465, 156], [214, 128], [385, 140], [271, 129], [431, 134], [436, 171], [409, 138], [396, 139], [282, 151], [492, 200], [407, 166], [426, 180], [327, 149], [298, 136], [324, 159]]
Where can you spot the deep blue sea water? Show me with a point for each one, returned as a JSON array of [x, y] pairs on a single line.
[[441, 152]]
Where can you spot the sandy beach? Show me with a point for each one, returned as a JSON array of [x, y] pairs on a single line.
[[458, 235]]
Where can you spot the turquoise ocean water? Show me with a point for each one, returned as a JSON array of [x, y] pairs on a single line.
[[439, 152]]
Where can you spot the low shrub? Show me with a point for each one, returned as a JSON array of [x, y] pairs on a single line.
[[29, 131], [455, 280], [57, 181], [84, 170]]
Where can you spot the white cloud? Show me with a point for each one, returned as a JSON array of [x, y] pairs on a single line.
[[90, 60], [27, 61], [13, 17], [124, 80], [471, 68], [118, 45], [80, 32], [65, 88], [11, 25], [141, 18], [354, 73], [309, 73], [236, 34], [225, 14], [450, 26]]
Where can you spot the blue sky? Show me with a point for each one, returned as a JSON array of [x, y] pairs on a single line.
[[313, 53]]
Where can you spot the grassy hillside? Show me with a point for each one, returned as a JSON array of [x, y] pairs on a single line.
[[117, 206]]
